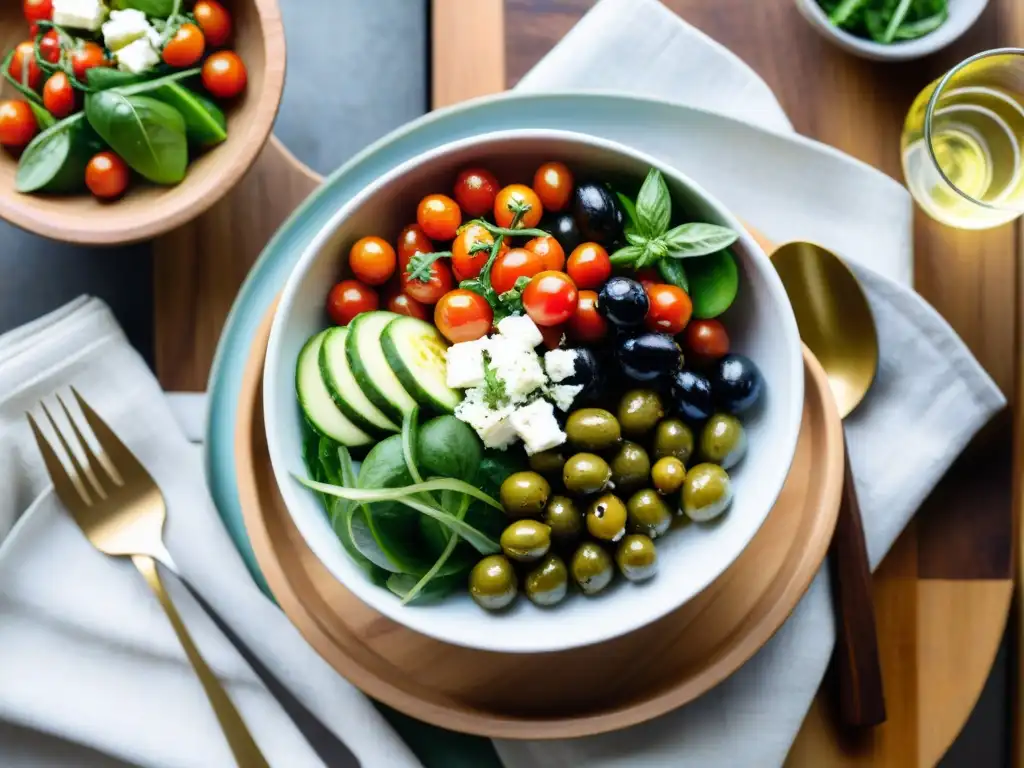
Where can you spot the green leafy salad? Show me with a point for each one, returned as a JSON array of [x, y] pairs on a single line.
[[887, 21]]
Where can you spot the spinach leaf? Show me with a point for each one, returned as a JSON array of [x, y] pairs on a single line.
[[844, 11], [158, 9], [673, 272], [55, 161], [447, 447], [896, 20], [438, 588], [146, 133], [102, 78], [496, 466], [915, 29], [147, 85], [205, 124], [424, 583]]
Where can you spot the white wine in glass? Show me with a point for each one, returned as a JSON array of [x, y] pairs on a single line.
[[962, 142]]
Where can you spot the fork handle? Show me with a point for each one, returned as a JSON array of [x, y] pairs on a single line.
[[244, 748]]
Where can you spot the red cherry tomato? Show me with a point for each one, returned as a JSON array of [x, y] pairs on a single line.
[[185, 48], [465, 264], [372, 260], [412, 240], [36, 11], [509, 267], [439, 216], [403, 304], [670, 309], [513, 197], [225, 75], [430, 291], [589, 266], [49, 46], [463, 316], [24, 67], [59, 96], [707, 339], [215, 21], [586, 324], [18, 124], [475, 190], [552, 335], [550, 252], [553, 185], [86, 56], [550, 298], [107, 176], [647, 277], [348, 299]]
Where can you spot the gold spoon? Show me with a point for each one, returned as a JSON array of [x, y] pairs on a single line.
[[836, 324]]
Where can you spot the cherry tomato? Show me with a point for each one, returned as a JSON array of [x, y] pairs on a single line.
[[464, 263], [707, 339], [509, 267], [432, 290], [586, 324], [36, 11], [18, 124], [49, 47], [553, 185], [85, 57], [552, 335], [439, 216], [463, 316], [550, 252], [185, 48], [512, 197], [372, 260], [224, 75], [670, 309], [348, 299], [24, 67], [412, 240], [59, 96], [107, 176], [647, 277], [403, 304], [215, 21], [475, 190], [589, 266], [550, 298]]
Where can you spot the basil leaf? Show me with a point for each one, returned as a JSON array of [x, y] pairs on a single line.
[[630, 210], [43, 118], [696, 239], [673, 273], [55, 161], [159, 9], [653, 205], [102, 78], [146, 133], [628, 255], [634, 239]]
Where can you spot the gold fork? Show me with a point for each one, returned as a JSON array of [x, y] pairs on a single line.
[[119, 507]]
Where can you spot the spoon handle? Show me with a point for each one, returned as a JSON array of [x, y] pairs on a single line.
[[861, 699]]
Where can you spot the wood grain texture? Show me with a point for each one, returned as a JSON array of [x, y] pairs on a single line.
[[147, 210], [464, 66]]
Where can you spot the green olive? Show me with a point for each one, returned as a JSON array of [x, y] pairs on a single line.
[[606, 518], [637, 558], [526, 540], [564, 519], [524, 494], [673, 438], [586, 473], [548, 463], [492, 583], [639, 411], [668, 474], [548, 582], [592, 568], [648, 514], [592, 429], [707, 492], [630, 466], [723, 441]]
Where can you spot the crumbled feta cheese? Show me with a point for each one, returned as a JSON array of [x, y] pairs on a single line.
[[537, 427], [492, 425], [564, 395], [137, 57], [520, 329], [465, 364], [560, 364], [125, 27], [518, 367], [79, 14]]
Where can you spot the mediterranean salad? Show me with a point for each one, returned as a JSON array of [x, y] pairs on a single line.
[[539, 383]]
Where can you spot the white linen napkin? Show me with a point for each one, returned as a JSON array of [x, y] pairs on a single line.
[[86, 653]]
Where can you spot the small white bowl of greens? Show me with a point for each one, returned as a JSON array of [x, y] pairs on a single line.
[[892, 30]]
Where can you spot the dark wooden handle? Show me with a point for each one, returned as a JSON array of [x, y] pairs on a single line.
[[861, 700]]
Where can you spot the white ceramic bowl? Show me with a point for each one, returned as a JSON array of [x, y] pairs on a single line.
[[962, 15], [761, 325]]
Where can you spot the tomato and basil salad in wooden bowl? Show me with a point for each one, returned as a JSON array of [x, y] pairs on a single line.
[[534, 362]]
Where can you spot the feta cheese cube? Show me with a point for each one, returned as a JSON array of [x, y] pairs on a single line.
[[521, 330], [126, 27], [560, 364], [563, 395], [137, 57], [492, 425], [519, 369], [536, 425], [465, 364], [79, 14]]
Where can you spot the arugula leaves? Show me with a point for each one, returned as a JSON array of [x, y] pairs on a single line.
[[887, 21], [495, 394]]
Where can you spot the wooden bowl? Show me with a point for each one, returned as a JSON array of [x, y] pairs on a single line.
[[148, 211]]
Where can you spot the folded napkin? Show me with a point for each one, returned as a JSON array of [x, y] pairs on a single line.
[[87, 656]]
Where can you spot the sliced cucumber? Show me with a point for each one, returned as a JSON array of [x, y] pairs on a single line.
[[416, 353], [714, 283], [347, 393], [316, 403], [370, 367]]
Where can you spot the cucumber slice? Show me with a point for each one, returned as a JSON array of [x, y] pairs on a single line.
[[316, 403], [344, 389], [714, 283], [416, 353], [370, 367]]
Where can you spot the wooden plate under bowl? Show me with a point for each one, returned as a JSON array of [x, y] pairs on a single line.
[[563, 695], [148, 211]]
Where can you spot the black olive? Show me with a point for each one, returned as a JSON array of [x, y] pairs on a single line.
[[737, 383], [623, 302], [598, 214], [692, 396], [649, 356], [562, 227]]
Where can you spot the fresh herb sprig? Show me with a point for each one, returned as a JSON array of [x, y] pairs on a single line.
[[887, 21], [420, 264], [495, 394]]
